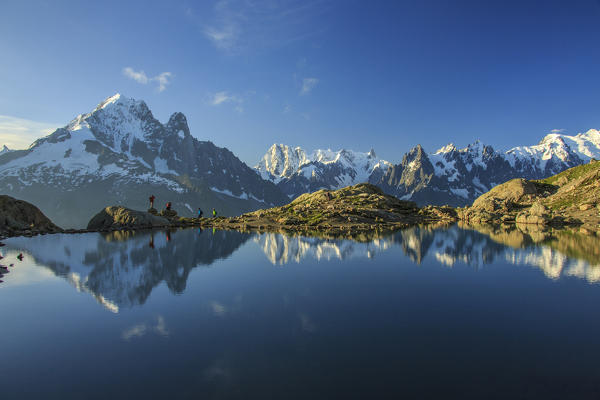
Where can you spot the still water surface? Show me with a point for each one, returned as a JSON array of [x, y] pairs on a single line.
[[423, 313]]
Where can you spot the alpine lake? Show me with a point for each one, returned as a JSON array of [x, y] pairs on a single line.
[[446, 312]]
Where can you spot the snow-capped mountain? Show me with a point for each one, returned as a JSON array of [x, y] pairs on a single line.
[[295, 172], [120, 154], [5, 150], [458, 176]]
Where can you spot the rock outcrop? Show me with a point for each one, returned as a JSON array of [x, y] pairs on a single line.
[[18, 217], [118, 217], [569, 198], [359, 208]]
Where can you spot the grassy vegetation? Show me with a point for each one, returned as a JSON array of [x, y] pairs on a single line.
[[572, 173]]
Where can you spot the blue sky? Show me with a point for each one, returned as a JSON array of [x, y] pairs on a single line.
[[315, 74]]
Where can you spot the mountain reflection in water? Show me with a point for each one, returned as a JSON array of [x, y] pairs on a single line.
[[121, 269]]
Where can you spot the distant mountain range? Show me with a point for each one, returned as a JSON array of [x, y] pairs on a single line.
[[448, 176], [120, 154], [296, 172]]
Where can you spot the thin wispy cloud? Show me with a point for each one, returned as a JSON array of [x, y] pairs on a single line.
[[224, 97], [163, 79], [138, 76], [238, 24], [18, 133], [308, 84], [558, 131]]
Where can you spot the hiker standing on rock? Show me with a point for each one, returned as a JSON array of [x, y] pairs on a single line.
[[214, 213], [151, 198], [199, 213], [168, 206]]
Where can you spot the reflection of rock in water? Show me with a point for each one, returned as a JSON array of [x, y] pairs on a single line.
[[557, 254], [121, 269]]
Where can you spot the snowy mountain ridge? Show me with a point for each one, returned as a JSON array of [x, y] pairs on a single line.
[[448, 176], [120, 154], [458, 176], [297, 172]]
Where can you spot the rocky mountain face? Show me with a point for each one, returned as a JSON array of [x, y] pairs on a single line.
[[295, 172], [458, 176], [120, 154]]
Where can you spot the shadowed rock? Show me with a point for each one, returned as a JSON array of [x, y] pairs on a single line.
[[19, 217]]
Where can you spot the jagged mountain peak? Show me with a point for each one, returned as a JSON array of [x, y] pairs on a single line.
[[449, 148], [177, 124], [117, 152], [416, 152], [297, 172]]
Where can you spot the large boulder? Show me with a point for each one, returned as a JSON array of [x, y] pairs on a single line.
[[537, 214], [513, 191], [120, 217], [18, 217]]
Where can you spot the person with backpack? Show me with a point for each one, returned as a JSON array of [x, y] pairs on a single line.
[[199, 213], [214, 213]]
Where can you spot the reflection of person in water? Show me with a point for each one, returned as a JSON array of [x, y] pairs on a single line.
[[168, 236], [151, 244], [199, 231]]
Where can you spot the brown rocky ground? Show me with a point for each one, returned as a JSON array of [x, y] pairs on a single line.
[[569, 198], [353, 210], [18, 217]]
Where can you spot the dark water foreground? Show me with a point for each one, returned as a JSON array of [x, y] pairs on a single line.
[[423, 313]]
